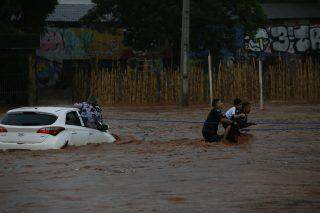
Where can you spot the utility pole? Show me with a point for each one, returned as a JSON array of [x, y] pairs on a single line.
[[184, 97], [261, 75], [210, 77]]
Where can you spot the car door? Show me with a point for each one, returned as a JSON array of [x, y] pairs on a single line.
[[96, 136], [78, 133]]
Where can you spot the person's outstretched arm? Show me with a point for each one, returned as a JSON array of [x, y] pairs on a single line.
[[252, 123], [78, 105], [242, 115], [226, 121]]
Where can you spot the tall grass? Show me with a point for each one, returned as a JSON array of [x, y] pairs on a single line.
[[282, 81]]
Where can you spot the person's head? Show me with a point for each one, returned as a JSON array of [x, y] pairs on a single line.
[[92, 100], [237, 103], [246, 106], [217, 103]]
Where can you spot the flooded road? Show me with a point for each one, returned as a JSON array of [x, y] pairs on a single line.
[[166, 167]]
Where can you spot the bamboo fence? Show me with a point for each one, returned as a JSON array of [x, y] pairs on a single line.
[[282, 82]]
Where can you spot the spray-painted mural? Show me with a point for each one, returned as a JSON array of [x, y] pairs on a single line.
[[78, 43], [59, 44], [298, 39], [48, 72]]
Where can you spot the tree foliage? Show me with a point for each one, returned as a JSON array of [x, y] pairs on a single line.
[[151, 25], [24, 16]]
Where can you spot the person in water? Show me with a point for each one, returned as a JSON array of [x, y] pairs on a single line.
[[233, 112], [215, 117], [243, 121]]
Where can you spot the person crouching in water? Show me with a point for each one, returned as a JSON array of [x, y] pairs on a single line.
[[239, 115], [210, 127], [243, 121], [234, 114], [90, 112]]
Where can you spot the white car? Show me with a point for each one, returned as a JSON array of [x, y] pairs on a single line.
[[41, 128]]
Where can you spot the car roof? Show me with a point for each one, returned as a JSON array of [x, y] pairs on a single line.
[[51, 110]]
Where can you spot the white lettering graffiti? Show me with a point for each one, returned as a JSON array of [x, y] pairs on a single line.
[[302, 35], [315, 38], [286, 39], [280, 39]]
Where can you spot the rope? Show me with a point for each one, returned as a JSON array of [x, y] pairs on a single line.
[[281, 129], [284, 129], [202, 122]]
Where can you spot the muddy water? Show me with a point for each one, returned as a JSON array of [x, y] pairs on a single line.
[[154, 168]]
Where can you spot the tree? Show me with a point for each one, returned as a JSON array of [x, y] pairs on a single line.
[[152, 25], [24, 16]]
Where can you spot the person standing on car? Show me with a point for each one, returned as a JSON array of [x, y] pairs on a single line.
[[90, 112]]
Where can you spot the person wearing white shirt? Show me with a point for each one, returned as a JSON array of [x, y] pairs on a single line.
[[231, 114]]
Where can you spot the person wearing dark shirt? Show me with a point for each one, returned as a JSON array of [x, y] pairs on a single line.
[[210, 127], [243, 121]]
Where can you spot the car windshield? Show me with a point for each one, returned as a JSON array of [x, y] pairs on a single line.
[[28, 119]]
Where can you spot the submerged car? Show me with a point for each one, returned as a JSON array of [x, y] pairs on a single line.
[[41, 128]]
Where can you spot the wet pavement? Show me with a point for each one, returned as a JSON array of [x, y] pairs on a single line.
[[166, 167]]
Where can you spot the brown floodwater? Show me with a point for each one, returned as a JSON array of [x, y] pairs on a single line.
[[166, 167]]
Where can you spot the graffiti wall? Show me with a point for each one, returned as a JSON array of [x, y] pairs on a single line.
[[77, 43], [59, 44], [48, 72], [293, 39]]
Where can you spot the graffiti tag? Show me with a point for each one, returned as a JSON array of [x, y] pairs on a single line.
[[297, 39]]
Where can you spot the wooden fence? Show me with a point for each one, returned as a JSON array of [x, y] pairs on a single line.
[[284, 82]]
